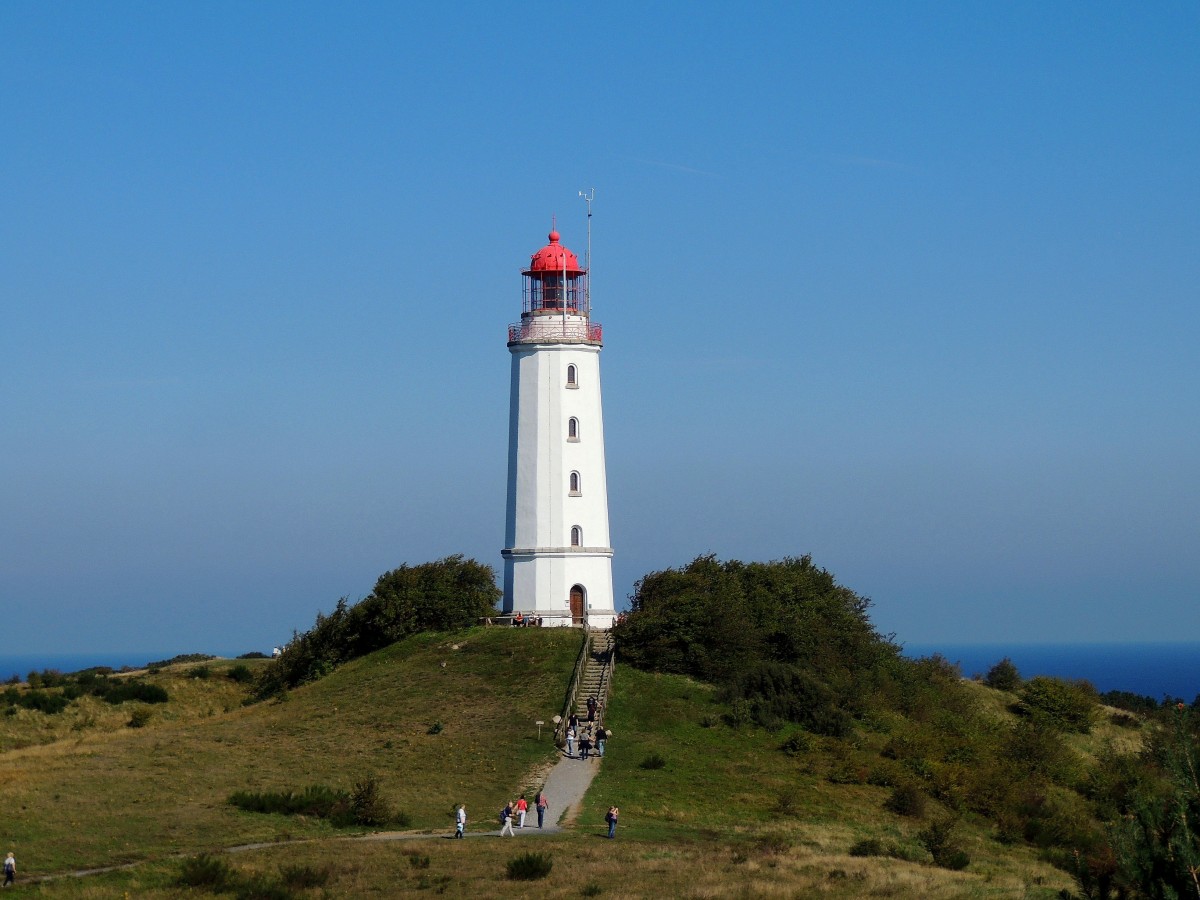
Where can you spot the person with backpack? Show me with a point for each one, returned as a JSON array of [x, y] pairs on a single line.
[[10, 869], [506, 816]]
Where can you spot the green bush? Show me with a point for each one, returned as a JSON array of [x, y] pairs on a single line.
[[240, 674], [200, 672], [300, 877], [140, 717], [316, 800], [367, 805], [798, 744], [1070, 705], [445, 595], [653, 761], [530, 866], [141, 691], [906, 800], [869, 847], [941, 842], [776, 693], [1003, 676], [364, 805], [206, 871], [42, 701]]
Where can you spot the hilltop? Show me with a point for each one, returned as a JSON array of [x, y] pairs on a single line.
[[443, 718]]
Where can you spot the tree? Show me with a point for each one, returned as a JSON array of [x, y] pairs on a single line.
[[1003, 676], [437, 596]]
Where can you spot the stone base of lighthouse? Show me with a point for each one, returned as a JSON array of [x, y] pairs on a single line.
[[561, 586]]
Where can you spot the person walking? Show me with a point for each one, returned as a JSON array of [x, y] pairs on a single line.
[[10, 869], [601, 737], [585, 745], [522, 808], [540, 802], [506, 817], [611, 818], [570, 741], [591, 708], [460, 821]]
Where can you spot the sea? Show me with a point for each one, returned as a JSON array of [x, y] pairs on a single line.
[[1158, 670]]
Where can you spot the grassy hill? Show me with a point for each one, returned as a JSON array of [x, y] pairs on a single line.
[[728, 813]]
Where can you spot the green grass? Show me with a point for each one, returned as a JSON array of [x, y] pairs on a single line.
[[728, 808], [103, 796]]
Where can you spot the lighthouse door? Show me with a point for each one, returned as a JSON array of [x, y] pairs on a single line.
[[577, 605]]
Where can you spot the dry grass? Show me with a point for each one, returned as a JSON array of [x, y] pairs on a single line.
[[112, 794], [709, 824]]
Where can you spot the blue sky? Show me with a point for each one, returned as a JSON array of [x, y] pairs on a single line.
[[910, 287]]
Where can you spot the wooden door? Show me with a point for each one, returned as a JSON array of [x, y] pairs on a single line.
[[577, 605]]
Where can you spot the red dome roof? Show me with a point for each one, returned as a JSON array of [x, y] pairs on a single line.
[[553, 257]]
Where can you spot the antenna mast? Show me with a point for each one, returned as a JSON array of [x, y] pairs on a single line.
[[587, 294]]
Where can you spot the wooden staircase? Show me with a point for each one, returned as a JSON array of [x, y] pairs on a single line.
[[596, 679]]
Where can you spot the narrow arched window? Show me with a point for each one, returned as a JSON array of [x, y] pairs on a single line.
[[576, 536], [572, 377], [575, 492], [572, 429]]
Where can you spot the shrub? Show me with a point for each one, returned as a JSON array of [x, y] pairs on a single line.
[[798, 744], [42, 701], [869, 847], [653, 761], [206, 871], [240, 674], [140, 717], [254, 654], [529, 866], [201, 672], [1003, 676], [418, 862], [301, 877], [906, 800], [367, 805], [777, 693], [438, 596], [141, 691], [1069, 705], [317, 800], [591, 889], [435, 728], [941, 842], [262, 887]]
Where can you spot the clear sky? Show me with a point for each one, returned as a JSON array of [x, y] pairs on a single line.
[[911, 287]]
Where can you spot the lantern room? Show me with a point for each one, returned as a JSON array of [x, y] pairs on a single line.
[[555, 284]]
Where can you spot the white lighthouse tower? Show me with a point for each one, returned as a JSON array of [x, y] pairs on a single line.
[[557, 557]]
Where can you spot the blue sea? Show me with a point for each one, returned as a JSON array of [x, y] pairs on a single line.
[[1153, 670]]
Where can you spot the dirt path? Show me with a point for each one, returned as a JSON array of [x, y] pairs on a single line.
[[566, 785]]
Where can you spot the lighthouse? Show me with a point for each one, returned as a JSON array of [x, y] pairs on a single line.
[[557, 555]]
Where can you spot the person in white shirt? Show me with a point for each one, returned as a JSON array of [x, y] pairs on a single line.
[[460, 819]]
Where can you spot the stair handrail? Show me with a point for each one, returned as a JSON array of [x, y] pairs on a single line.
[[560, 730]]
